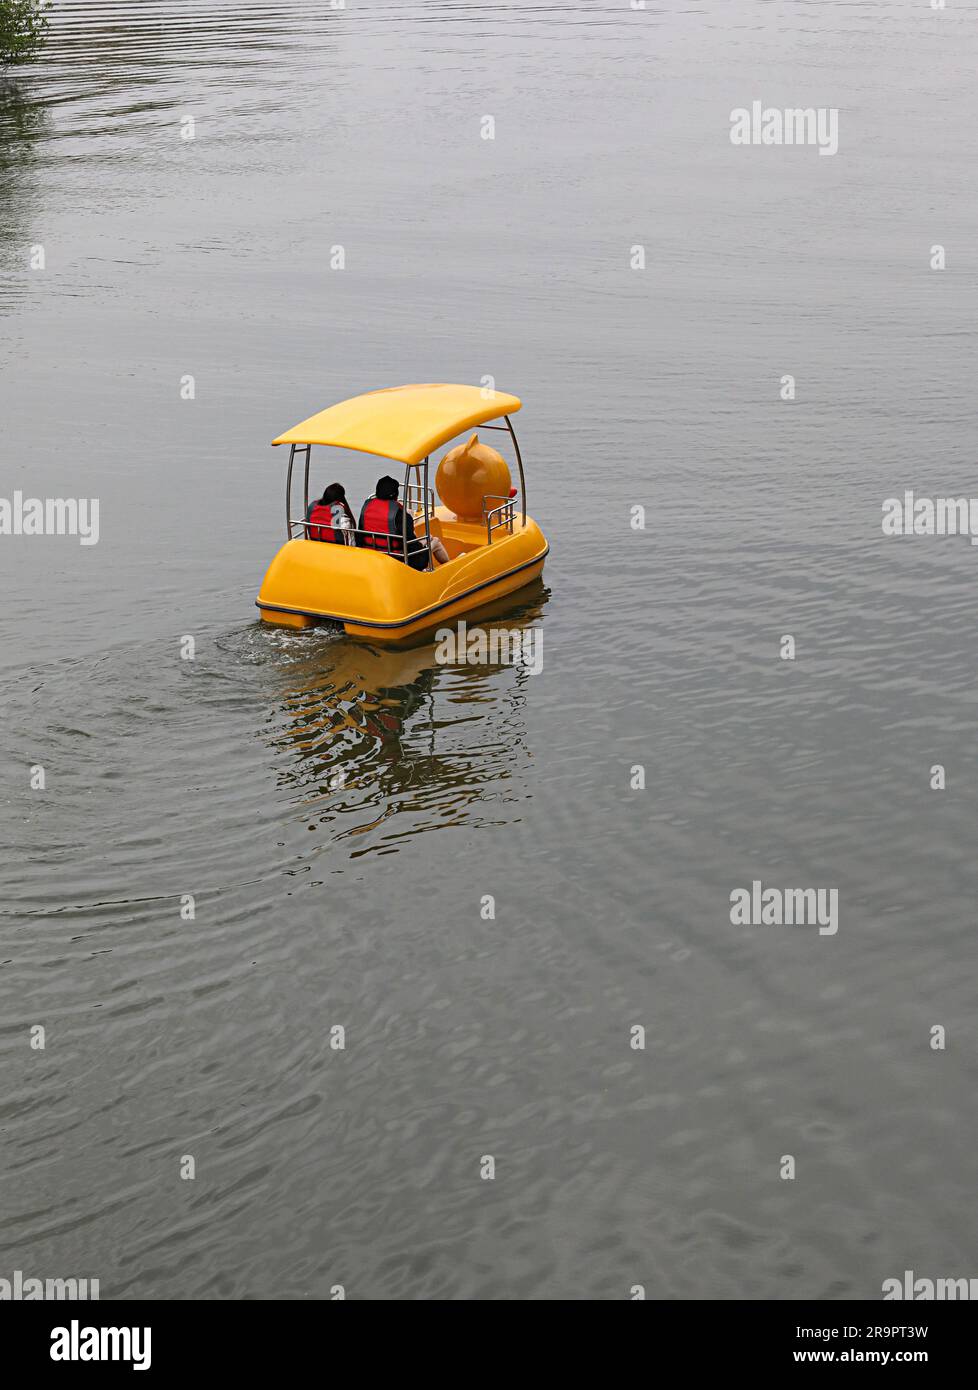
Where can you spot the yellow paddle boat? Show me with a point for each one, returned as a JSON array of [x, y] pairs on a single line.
[[386, 584]]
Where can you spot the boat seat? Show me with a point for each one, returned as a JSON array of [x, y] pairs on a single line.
[[458, 537]]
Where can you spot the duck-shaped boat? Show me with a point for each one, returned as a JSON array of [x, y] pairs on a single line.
[[387, 584]]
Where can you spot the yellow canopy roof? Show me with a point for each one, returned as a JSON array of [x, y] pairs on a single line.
[[402, 422]]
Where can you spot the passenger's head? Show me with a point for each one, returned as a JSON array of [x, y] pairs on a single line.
[[387, 489], [334, 493]]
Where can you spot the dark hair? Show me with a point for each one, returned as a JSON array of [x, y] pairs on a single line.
[[334, 493], [387, 489]]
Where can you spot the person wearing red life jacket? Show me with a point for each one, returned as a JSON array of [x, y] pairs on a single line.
[[330, 517], [382, 527]]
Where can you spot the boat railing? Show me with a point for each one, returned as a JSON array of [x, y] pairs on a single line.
[[414, 494], [505, 513], [349, 534]]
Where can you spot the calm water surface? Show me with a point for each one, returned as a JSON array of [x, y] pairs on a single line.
[[323, 901]]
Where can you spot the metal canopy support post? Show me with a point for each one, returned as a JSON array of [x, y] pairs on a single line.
[[404, 507], [306, 488], [427, 523], [288, 495], [519, 460]]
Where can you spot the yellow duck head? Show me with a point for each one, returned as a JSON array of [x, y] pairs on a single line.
[[468, 473]]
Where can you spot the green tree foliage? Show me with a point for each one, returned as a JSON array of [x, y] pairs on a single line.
[[23, 24]]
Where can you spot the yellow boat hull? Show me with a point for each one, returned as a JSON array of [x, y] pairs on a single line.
[[380, 598]]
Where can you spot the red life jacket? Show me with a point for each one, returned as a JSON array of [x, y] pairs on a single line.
[[378, 515], [321, 513]]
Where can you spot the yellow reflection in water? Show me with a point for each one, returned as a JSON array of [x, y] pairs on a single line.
[[377, 733]]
